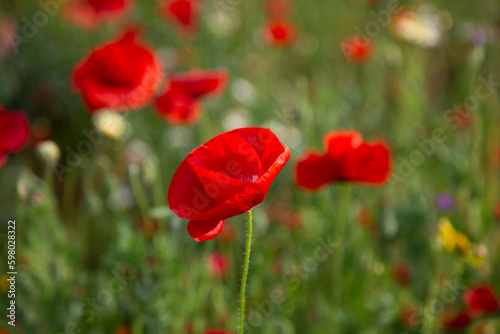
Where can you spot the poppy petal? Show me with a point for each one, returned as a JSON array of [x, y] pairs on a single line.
[[122, 75], [338, 143], [368, 163], [200, 83], [313, 171], [205, 230], [178, 109], [14, 131]]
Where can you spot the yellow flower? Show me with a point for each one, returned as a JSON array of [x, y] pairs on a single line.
[[451, 238]]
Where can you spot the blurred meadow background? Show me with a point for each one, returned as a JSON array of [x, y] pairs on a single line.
[[99, 251]]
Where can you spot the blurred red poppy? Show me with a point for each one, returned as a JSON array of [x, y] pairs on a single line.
[[88, 14], [183, 13], [14, 133], [279, 33], [282, 213], [225, 177], [456, 321], [481, 298], [123, 329], [200, 83], [347, 159], [120, 75], [409, 316], [218, 264], [357, 49], [178, 109], [461, 119], [8, 29], [180, 105], [401, 273]]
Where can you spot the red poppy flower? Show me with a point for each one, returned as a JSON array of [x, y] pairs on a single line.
[[183, 13], [14, 133], [108, 5], [357, 49], [481, 298], [279, 33], [283, 214], [347, 159], [123, 329], [88, 14], [461, 119], [200, 83], [409, 316], [218, 264], [225, 177], [401, 273], [178, 109], [279, 8], [8, 29], [120, 75], [180, 105], [457, 321]]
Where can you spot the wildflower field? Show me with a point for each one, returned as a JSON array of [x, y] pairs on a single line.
[[235, 166]]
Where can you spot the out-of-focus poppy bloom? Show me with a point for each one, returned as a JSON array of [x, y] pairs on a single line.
[[183, 13], [218, 264], [123, 329], [225, 177], [481, 298], [401, 273], [357, 49], [178, 109], [461, 119], [279, 33], [457, 321], [409, 316], [180, 104], [8, 29], [88, 14], [367, 219], [200, 83], [279, 8], [347, 159], [120, 75], [284, 215], [14, 133]]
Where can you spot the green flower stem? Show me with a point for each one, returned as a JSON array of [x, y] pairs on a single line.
[[340, 228], [245, 273], [140, 196]]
